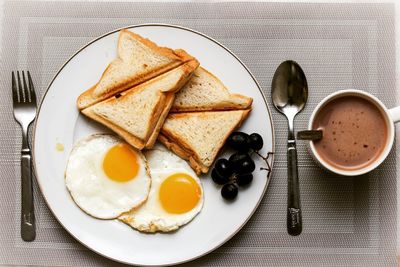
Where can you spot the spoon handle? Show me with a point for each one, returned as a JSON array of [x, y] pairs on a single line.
[[294, 220]]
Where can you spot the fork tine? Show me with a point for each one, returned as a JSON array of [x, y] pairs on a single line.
[[14, 89], [31, 88], [26, 90], [20, 89]]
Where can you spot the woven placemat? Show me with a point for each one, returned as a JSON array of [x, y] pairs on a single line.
[[347, 221]]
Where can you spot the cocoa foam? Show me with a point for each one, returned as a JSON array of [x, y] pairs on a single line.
[[354, 132]]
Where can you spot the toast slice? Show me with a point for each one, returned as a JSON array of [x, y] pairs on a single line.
[[137, 114], [138, 60], [205, 92], [199, 136]]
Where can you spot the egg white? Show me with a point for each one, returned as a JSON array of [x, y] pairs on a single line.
[[151, 217], [92, 190]]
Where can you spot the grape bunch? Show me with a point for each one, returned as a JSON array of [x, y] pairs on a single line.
[[237, 170]]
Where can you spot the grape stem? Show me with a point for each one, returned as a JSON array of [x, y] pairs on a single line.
[[268, 168], [233, 178]]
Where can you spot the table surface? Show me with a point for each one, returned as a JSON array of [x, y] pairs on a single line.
[[397, 7]]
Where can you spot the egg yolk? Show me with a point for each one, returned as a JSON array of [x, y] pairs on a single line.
[[179, 193], [120, 163]]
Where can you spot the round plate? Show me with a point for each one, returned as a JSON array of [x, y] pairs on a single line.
[[59, 122]]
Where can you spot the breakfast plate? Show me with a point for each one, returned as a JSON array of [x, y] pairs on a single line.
[[59, 125]]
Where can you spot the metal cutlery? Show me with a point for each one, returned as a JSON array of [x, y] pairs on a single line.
[[24, 105], [289, 96]]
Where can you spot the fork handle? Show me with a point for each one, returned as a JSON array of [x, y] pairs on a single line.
[[28, 231]]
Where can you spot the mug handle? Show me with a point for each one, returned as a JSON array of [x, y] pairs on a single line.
[[395, 114]]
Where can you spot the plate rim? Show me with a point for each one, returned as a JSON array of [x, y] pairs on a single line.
[[133, 26]]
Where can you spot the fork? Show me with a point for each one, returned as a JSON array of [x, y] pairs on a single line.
[[24, 104]]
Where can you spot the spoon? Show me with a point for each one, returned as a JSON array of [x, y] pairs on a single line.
[[289, 95]]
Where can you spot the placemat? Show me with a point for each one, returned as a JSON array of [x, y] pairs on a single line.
[[347, 221]]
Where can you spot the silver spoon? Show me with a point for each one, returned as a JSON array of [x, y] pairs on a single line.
[[289, 95]]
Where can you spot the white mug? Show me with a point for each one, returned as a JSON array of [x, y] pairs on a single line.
[[390, 115]]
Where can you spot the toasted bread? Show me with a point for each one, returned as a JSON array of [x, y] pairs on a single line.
[[199, 136], [205, 92], [137, 114], [138, 60]]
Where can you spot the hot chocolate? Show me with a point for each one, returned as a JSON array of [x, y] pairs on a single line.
[[354, 132]]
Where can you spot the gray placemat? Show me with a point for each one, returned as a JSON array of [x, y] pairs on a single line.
[[347, 221]]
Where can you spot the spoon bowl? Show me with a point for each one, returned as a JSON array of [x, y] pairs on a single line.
[[289, 88]]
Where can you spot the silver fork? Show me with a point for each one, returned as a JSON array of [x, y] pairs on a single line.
[[24, 103]]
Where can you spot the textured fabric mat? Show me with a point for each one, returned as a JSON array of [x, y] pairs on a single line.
[[347, 221]]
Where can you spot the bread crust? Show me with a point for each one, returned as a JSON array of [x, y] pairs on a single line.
[[231, 105], [129, 138], [179, 149], [165, 51], [185, 151], [180, 56], [188, 67], [235, 102], [157, 127], [160, 111]]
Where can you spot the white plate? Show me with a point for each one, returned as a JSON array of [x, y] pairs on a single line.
[[59, 121]]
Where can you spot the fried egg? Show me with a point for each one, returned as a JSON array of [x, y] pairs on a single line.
[[106, 176], [175, 198]]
